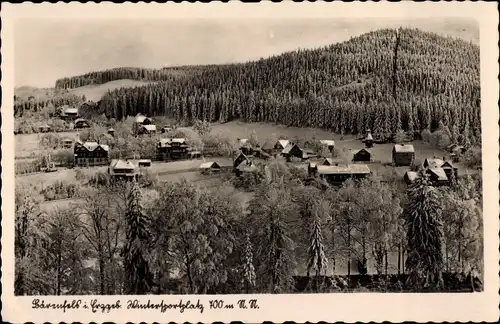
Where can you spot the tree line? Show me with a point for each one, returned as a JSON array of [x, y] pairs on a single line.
[[179, 238]]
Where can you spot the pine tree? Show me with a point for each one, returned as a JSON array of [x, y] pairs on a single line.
[[424, 233], [316, 252], [248, 268], [138, 278]]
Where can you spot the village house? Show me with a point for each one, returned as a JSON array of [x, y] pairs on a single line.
[[81, 123], [403, 154], [165, 129], [140, 121], [294, 151], [239, 159], [337, 174], [194, 154], [123, 170], [172, 149], [437, 177], [111, 131], [435, 163], [244, 167], [91, 154], [330, 144], [209, 167], [68, 113], [362, 155], [245, 146], [146, 130]]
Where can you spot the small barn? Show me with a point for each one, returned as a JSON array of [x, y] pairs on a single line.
[[362, 155], [147, 129], [44, 128], [410, 176], [144, 163], [209, 167], [403, 154], [143, 120], [239, 159], [293, 150], [166, 129], [330, 144], [111, 131], [123, 170]]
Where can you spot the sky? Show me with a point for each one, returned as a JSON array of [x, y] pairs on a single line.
[[46, 50]]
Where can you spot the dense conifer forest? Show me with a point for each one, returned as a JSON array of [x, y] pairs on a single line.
[[386, 80]]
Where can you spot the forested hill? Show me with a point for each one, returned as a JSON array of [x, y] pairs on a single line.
[[383, 80]]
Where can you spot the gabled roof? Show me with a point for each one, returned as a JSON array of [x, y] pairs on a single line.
[[79, 120], [149, 128], [328, 161], [404, 148], [347, 169], [411, 175], [67, 140], [369, 137], [140, 118], [93, 145], [447, 164], [283, 142], [327, 142], [246, 166], [69, 110], [361, 150], [208, 165], [289, 148], [167, 141], [122, 164], [439, 172], [242, 141], [434, 163]]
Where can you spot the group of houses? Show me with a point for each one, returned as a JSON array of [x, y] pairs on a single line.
[[439, 171]]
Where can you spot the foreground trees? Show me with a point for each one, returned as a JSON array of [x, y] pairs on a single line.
[[177, 237]]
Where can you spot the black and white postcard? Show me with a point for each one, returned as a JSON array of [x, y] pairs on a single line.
[[202, 162]]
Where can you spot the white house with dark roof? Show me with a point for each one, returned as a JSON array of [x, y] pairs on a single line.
[[91, 154]]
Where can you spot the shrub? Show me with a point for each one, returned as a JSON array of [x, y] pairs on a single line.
[[218, 145], [248, 180], [64, 158], [473, 157], [60, 190], [426, 135]]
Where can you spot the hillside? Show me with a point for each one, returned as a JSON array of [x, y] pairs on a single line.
[[382, 80], [35, 99], [131, 73]]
